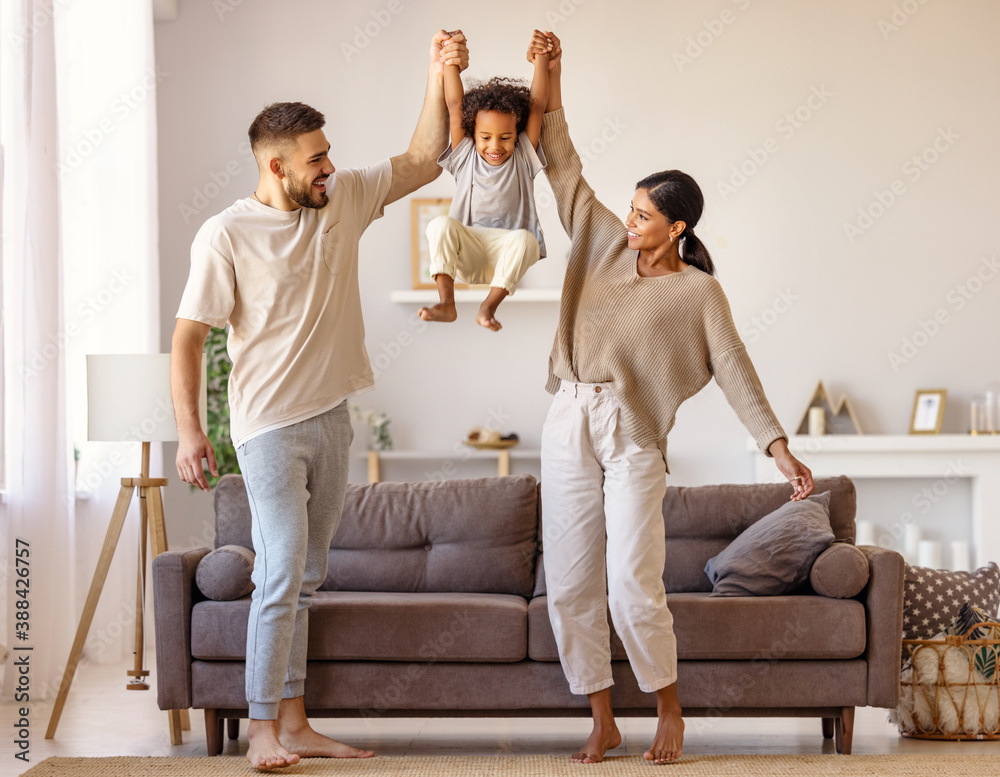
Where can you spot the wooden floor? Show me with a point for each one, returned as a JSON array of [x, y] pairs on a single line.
[[101, 718]]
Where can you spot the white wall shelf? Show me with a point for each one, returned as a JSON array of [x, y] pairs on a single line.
[[502, 457], [909, 456], [422, 296]]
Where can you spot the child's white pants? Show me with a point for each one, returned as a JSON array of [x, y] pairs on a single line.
[[499, 257], [603, 540]]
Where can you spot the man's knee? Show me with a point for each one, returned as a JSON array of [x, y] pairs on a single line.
[[311, 581], [280, 577]]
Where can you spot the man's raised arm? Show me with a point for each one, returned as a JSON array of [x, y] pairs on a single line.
[[418, 165]]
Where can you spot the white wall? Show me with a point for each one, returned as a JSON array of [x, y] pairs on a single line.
[[812, 301]]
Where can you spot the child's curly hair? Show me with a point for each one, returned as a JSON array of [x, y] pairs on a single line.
[[503, 95]]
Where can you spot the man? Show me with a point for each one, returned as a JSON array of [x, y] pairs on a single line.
[[280, 268]]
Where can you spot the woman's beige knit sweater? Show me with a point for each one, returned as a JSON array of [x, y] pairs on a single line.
[[657, 340]]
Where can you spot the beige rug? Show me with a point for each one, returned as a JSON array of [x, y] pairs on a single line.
[[973, 765]]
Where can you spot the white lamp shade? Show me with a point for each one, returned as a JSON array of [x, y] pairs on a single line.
[[128, 398]]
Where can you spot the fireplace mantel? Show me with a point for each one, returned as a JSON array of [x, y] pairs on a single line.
[[909, 456]]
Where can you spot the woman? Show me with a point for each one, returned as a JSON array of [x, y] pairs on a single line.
[[643, 325]]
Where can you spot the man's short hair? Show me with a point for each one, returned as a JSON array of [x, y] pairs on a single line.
[[280, 123]]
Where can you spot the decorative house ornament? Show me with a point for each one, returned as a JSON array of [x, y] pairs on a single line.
[[836, 420]]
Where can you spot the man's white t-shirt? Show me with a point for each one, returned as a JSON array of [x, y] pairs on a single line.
[[287, 284]]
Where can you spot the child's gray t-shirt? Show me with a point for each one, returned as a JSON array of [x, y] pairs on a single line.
[[499, 197]]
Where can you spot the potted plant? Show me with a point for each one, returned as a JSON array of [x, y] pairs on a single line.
[[219, 367]]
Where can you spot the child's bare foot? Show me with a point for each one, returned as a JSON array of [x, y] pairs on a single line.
[[601, 740], [669, 737], [265, 752], [487, 311], [487, 320], [307, 743], [443, 311]]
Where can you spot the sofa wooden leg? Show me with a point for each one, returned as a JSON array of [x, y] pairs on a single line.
[[828, 725], [845, 730], [213, 732], [233, 728]]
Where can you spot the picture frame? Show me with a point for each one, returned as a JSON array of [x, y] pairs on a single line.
[[422, 211], [928, 411]]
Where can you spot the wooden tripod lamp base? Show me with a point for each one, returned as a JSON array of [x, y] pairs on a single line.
[[151, 522], [128, 398]]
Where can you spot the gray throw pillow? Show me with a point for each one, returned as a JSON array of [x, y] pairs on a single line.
[[775, 554], [224, 573]]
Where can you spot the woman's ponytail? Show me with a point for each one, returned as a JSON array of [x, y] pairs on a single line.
[[678, 197], [694, 252]]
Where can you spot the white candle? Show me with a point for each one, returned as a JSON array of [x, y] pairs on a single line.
[[817, 420], [911, 542], [929, 554], [864, 533], [960, 556]]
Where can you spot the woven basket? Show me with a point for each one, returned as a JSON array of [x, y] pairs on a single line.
[[944, 694]]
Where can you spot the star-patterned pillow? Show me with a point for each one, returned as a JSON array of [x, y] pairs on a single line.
[[932, 597]]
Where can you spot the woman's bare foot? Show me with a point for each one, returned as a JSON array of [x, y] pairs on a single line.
[[265, 752], [307, 743], [443, 311], [669, 737], [601, 740]]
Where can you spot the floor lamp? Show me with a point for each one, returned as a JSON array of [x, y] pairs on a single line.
[[128, 400]]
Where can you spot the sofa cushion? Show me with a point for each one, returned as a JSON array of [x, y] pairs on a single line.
[[775, 554], [347, 625], [840, 571], [370, 689], [225, 573], [739, 628], [932, 597], [454, 536], [232, 512], [701, 521]]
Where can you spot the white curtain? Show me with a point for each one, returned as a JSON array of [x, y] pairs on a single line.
[[107, 122], [86, 127], [37, 453]]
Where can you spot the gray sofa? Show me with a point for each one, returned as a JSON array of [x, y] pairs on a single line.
[[434, 605]]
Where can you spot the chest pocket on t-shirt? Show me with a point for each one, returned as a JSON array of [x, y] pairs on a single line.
[[332, 246]]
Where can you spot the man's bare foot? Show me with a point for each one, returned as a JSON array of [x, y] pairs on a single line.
[[307, 743], [443, 311], [265, 752], [669, 737], [601, 740]]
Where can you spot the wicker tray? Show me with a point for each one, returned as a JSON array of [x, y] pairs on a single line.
[[943, 695]]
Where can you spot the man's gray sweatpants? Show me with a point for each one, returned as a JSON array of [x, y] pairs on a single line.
[[295, 478]]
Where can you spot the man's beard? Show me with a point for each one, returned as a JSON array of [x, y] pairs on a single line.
[[303, 194]]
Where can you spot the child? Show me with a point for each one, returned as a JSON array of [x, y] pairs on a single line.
[[491, 234]]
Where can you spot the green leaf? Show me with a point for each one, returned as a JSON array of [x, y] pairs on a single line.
[[985, 660], [217, 385]]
